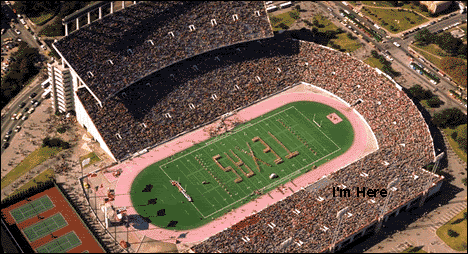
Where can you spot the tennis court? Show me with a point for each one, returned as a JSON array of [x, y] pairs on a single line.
[[32, 209], [228, 171], [61, 244], [45, 227]]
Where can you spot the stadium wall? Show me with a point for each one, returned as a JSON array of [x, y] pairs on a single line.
[[83, 118], [374, 225]]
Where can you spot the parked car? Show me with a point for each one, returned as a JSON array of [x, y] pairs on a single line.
[[32, 95], [43, 47], [26, 109], [18, 128], [33, 101], [31, 110], [5, 145], [9, 132], [396, 44], [36, 104], [17, 31], [24, 117], [18, 117], [6, 138], [22, 104], [13, 117]]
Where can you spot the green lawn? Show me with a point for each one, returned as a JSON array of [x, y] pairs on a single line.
[[461, 154], [53, 29], [429, 57], [433, 49], [93, 156], [41, 178], [35, 158], [40, 20], [343, 41], [411, 6], [324, 23], [399, 20], [457, 224], [459, 78], [284, 18], [377, 3], [374, 62], [346, 43], [155, 198]]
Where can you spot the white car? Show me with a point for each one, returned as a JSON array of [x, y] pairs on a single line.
[[433, 82], [396, 44], [17, 31], [31, 110], [43, 47], [24, 117]]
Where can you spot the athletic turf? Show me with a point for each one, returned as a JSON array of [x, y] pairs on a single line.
[[294, 125], [61, 244], [45, 227], [32, 209]]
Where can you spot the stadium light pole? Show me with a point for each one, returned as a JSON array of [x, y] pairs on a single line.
[[339, 216], [429, 180], [392, 188], [95, 197]]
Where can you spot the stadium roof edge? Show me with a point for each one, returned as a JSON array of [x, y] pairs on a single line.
[[83, 11]]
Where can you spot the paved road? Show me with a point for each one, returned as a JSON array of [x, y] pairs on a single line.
[[13, 107], [401, 55], [34, 87]]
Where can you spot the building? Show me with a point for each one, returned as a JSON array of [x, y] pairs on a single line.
[[436, 6], [61, 87]]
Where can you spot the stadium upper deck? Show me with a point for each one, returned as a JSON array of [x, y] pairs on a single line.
[[119, 49], [197, 90]]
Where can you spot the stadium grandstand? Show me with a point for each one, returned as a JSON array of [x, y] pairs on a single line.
[[156, 70]]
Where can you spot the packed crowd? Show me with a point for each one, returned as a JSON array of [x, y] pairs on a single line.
[[312, 230], [117, 50], [196, 91]]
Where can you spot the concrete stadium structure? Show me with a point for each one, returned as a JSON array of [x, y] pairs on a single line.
[[134, 88]]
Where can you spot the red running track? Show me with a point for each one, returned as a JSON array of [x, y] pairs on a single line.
[[132, 168]]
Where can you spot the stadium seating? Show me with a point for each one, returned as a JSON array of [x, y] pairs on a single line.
[[217, 68], [117, 50]]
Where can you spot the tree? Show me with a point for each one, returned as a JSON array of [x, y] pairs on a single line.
[[424, 36], [417, 91], [462, 50], [456, 68], [374, 54], [434, 102], [423, 8], [283, 26], [316, 23], [449, 118], [461, 137], [449, 43], [294, 15]]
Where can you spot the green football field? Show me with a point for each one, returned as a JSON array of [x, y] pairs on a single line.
[[228, 171]]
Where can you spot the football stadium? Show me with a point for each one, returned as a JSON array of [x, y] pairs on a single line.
[[229, 138]]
